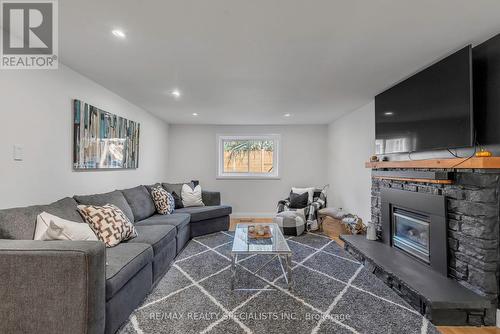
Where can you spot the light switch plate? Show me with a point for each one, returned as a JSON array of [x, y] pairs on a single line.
[[18, 153]]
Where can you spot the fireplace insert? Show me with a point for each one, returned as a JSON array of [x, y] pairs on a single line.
[[410, 233], [415, 223]]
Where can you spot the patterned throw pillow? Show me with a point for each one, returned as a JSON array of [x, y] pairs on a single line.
[[109, 223], [164, 202]]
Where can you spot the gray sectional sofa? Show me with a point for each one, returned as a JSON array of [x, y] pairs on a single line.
[[81, 286]]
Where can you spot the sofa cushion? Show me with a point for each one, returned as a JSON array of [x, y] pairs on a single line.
[[140, 202], [210, 198], [123, 262], [19, 223], [150, 187], [157, 236], [179, 220], [115, 197], [65, 208], [200, 213]]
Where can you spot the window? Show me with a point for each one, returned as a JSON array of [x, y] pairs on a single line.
[[248, 156]]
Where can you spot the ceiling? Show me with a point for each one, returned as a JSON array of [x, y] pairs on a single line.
[[252, 61]]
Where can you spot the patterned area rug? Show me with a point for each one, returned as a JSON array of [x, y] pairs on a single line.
[[332, 293]]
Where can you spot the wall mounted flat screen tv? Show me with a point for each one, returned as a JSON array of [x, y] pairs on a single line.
[[486, 62], [430, 110]]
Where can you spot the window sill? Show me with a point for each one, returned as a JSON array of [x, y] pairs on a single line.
[[250, 177]]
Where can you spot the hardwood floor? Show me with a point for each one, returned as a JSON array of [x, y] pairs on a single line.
[[328, 231], [468, 330], [235, 221]]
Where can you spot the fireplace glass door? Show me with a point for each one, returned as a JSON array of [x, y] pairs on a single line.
[[410, 233]]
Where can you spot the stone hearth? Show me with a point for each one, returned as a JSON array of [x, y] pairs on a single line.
[[472, 225]]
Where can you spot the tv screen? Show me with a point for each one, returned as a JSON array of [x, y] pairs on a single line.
[[486, 60], [430, 110]]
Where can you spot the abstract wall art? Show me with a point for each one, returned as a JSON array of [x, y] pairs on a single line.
[[102, 140]]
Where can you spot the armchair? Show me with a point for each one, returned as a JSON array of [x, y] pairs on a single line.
[[311, 210]]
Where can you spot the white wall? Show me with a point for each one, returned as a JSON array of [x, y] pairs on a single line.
[[193, 155], [351, 141], [36, 113]]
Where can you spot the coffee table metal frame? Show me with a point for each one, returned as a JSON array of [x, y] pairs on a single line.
[[282, 253]]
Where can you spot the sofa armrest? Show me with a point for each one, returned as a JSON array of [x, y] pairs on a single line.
[[52, 286], [210, 198]]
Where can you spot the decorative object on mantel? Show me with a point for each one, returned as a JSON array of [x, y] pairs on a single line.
[[102, 140], [373, 158], [483, 154]]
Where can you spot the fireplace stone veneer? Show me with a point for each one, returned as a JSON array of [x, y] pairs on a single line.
[[472, 223]]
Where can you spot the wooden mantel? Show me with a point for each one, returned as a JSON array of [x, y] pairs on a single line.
[[455, 163]]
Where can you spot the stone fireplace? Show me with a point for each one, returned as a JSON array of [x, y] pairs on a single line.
[[469, 224]]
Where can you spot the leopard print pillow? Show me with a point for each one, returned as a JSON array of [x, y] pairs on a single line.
[[164, 202]]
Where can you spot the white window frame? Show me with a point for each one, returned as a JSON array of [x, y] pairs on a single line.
[[260, 176]]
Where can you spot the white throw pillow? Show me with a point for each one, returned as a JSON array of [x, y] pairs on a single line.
[[309, 191], [191, 197], [50, 227]]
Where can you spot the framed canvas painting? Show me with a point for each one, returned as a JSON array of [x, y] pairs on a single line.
[[103, 140]]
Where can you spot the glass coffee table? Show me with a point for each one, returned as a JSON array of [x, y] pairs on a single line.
[[276, 245]]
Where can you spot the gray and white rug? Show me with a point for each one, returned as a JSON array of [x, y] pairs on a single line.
[[332, 293]]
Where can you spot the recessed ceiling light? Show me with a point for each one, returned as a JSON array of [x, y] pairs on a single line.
[[118, 33], [389, 113], [287, 115], [175, 93], [195, 114]]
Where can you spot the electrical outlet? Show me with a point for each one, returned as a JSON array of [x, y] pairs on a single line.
[[18, 153]]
